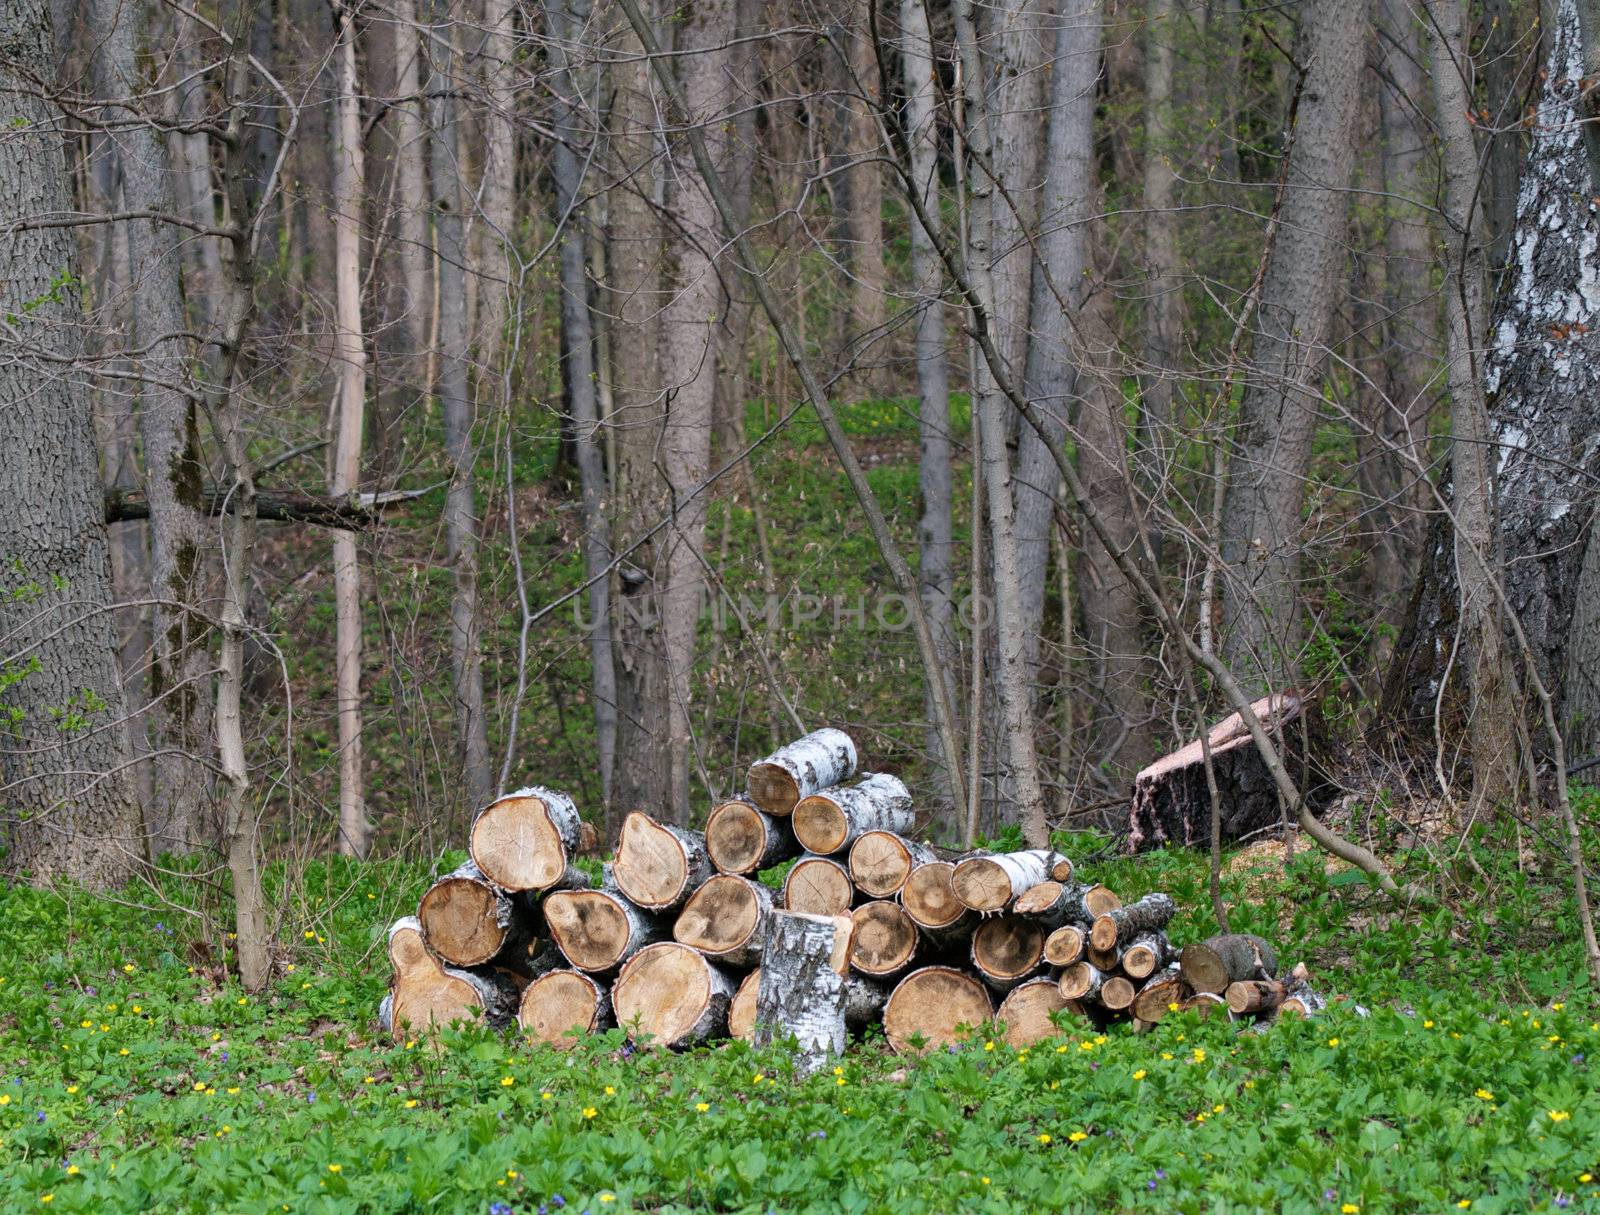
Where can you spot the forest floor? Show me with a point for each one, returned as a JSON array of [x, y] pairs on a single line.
[[135, 1076]]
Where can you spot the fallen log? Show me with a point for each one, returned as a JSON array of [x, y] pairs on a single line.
[[659, 865], [1206, 1003], [830, 821], [1146, 953], [934, 1007], [1300, 998], [1007, 949], [562, 1004], [525, 841], [424, 993], [930, 900], [1159, 994], [744, 839], [1098, 900], [993, 883], [818, 885], [727, 919], [1256, 996], [1054, 905], [1065, 946], [338, 512], [881, 861], [1117, 993], [672, 996], [1121, 924], [806, 766], [1106, 959], [1210, 966], [467, 920], [1026, 1012], [886, 939], [598, 930], [802, 990]]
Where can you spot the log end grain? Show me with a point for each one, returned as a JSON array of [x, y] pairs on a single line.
[[668, 993], [929, 896], [818, 886], [560, 1005], [1097, 900], [773, 788], [820, 824], [981, 884], [589, 927], [736, 837], [461, 920], [722, 915], [1065, 946], [880, 863], [1038, 899], [933, 1007], [652, 865], [1026, 1012], [518, 843], [1008, 947], [742, 1008], [1118, 993], [885, 938]]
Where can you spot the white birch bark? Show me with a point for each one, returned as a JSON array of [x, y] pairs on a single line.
[[806, 766], [829, 822], [802, 995]]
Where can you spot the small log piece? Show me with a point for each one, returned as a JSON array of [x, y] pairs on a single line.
[[1206, 1004], [598, 930], [1026, 1012], [561, 1004], [864, 999], [425, 993], [1054, 905], [802, 991], [673, 995], [818, 885], [881, 861], [808, 765], [1230, 958], [744, 839], [1256, 996], [1065, 946], [1081, 981], [742, 1009], [727, 920], [831, 820], [658, 865], [993, 883], [467, 919], [1117, 993], [1106, 959], [1097, 900], [933, 1007], [1007, 949], [526, 840], [1300, 998], [930, 900], [1157, 996], [1120, 925], [885, 941], [1146, 953]]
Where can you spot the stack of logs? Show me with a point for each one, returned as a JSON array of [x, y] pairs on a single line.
[[680, 942]]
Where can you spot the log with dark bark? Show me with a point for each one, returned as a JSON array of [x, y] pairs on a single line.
[[830, 821], [1300, 998], [467, 920], [1027, 1010], [727, 920], [993, 883], [672, 996], [1206, 1003], [863, 1001], [339, 512], [1255, 995], [658, 865], [598, 930], [933, 1007], [1230, 958], [886, 939], [424, 993], [1119, 926], [881, 861], [1158, 995], [1081, 981], [930, 900], [806, 766], [1007, 949], [1066, 945], [744, 839], [818, 885], [1146, 953], [802, 993], [526, 840], [562, 1005], [1171, 801], [1054, 905], [1117, 993]]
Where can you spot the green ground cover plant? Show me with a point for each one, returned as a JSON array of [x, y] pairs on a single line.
[[136, 1077]]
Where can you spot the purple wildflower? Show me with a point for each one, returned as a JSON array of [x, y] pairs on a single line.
[[311, 1096], [499, 1208], [1329, 1195], [1161, 1174], [1563, 1201], [557, 1201], [819, 1134], [39, 1116], [1151, 1184]]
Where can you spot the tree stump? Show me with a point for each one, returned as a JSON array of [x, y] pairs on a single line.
[[933, 1007], [672, 995], [727, 920], [881, 861], [561, 1004], [830, 821], [818, 885], [802, 993], [806, 766], [744, 839], [659, 865], [525, 841]]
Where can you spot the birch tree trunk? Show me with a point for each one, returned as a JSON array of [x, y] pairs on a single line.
[[69, 806], [1281, 409], [349, 191], [1165, 25]]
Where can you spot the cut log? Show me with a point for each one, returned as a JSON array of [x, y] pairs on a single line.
[[934, 1007], [1062, 869], [1120, 925], [1157, 996], [467, 920], [1300, 998], [559, 1006], [744, 839], [881, 861], [672, 996], [1256, 996], [525, 840], [426, 994], [598, 930], [1026, 1012], [1097, 900], [830, 821], [886, 939], [1106, 959], [658, 865], [1065, 946], [1205, 1003], [806, 766], [1117, 993], [1229, 958], [993, 883], [802, 993], [1172, 803], [818, 885], [726, 919], [1054, 905], [1081, 981], [864, 999], [1007, 949], [742, 1009], [930, 900], [1146, 953]]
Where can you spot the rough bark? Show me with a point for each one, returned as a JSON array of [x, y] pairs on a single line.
[[881, 862], [1281, 409], [1054, 905], [802, 992], [1146, 953], [829, 822], [70, 808], [559, 1007], [525, 840], [933, 1007], [743, 839], [1209, 966], [806, 766], [1118, 927], [1165, 27], [672, 996], [495, 225], [818, 885], [658, 865], [727, 919]]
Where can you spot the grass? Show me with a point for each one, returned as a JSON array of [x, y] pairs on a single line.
[[135, 1076]]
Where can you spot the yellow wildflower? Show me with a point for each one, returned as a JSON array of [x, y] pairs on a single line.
[[1350, 1208], [1333, 1042], [1199, 1055], [1427, 1025], [610, 1092], [507, 1081], [1484, 1094], [1464, 1203], [1044, 1138], [1140, 1074], [336, 1168], [73, 1170], [702, 1106], [411, 1104], [1077, 1136], [589, 1111], [989, 1045], [1559, 1115]]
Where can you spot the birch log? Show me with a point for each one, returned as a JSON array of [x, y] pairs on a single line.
[[744, 839], [1065, 946], [1159, 994], [467, 920], [818, 885], [1027, 1010], [1212, 965], [1082, 981], [562, 1004], [930, 900], [727, 920], [881, 861], [1106, 959], [425, 993], [934, 1007], [659, 865], [863, 1001], [830, 821], [802, 993], [1146, 953], [1054, 905], [525, 840], [1007, 949], [1119, 926], [809, 765], [599, 930], [993, 883], [672, 996], [1117, 993], [885, 941]]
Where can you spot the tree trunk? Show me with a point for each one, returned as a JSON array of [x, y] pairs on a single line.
[[802, 993], [855, 80], [70, 810], [1165, 25], [1120, 925], [1281, 410], [829, 822], [496, 219]]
